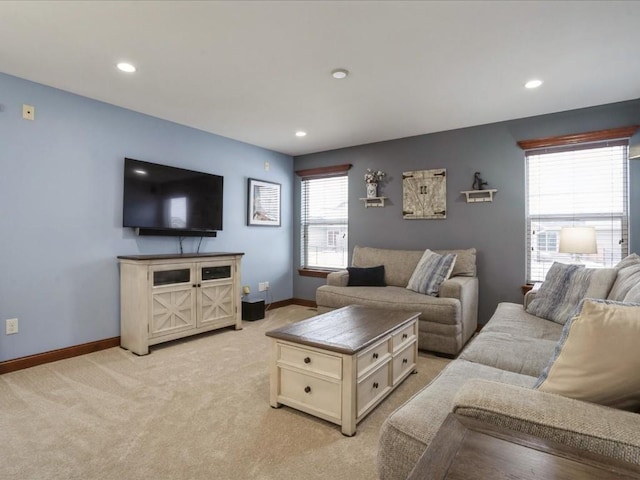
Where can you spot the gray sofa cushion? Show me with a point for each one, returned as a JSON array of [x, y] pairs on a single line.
[[511, 318], [438, 309], [628, 278], [525, 355]]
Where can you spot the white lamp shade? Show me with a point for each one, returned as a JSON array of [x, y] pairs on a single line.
[[578, 240]]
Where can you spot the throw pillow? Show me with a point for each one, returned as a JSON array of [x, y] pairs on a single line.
[[431, 271], [631, 259], [366, 277], [628, 277], [565, 285], [597, 358]]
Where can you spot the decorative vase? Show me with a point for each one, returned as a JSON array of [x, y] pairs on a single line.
[[372, 190]]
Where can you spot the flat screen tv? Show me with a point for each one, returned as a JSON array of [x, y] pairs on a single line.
[[163, 200]]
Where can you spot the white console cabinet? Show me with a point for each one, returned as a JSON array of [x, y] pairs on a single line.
[[165, 297]]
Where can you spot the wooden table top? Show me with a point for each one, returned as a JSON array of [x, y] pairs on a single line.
[[468, 449], [346, 330]]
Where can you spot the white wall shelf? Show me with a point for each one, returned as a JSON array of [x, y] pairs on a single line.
[[373, 201], [474, 196]]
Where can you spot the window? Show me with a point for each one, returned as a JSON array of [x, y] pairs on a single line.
[[332, 237], [324, 218], [578, 185], [547, 241]]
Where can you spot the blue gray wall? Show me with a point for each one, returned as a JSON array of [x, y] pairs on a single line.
[[61, 211], [497, 229]]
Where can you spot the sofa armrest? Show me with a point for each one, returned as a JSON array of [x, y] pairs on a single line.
[[464, 289], [338, 279], [579, 424], [531, 294]]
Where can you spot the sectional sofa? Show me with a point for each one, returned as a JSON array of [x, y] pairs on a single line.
[[447, 320], [562, 367]]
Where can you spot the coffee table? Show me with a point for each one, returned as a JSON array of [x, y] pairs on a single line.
[[340, 365]]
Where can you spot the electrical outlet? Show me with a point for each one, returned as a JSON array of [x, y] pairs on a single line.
[[28, 112], [262, 287], [266, 285], [266, 166], [11, 326]]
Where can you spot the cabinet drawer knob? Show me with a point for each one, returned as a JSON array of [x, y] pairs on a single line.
[[375, 355], [307, 389], [404, 360], [375, 385], [405, 336], [307, 360]]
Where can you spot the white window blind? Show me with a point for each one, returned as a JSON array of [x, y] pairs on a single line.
[[324, 222], [583, 185]]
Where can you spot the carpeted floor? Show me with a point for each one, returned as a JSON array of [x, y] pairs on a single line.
[[197, 408]]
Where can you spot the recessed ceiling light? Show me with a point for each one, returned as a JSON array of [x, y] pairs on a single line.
[[300, 133], [340, 73], [533, 84], [126, 67]]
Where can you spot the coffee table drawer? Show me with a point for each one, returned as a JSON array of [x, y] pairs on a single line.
[[372, 388], [320, 395], [404, 361], [403, 336], [372, 357], [310, 360]]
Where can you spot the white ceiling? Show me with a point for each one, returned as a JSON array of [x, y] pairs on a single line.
[[259, 71]]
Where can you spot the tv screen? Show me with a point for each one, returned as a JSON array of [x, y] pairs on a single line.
[[163, 200]]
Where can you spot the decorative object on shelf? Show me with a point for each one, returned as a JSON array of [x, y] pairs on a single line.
[[372, 178], [478, 182], [263, 204], [424, 194]]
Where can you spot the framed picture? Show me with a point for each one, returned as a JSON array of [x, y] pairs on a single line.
[[263, 204]]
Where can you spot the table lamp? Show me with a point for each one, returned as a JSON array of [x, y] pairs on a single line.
[[578, 240]]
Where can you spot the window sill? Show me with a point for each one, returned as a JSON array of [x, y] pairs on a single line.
[[314, 272]]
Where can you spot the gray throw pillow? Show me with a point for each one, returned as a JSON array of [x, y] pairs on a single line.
[[565, 285], [431, 271]]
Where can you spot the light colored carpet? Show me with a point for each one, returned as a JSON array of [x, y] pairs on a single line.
[[197, 408]]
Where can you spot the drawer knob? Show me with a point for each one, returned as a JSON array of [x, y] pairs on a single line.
[[375, 385], [307, 389], [375, 355], [307, 360], [404, 360], [405, 336]]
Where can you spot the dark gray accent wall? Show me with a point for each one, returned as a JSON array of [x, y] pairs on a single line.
[[496, 229]]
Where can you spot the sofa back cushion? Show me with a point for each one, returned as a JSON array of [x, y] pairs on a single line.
[[465, 264], [399, 265], [628, 278]]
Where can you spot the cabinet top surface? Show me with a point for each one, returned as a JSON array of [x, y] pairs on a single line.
[[165, 256], [346, 330]]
